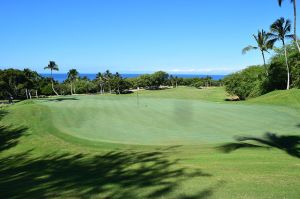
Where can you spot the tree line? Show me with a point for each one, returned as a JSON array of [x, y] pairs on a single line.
[[283, 71], [26, 84]]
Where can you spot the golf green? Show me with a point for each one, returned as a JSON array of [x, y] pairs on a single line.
[[145, 120]]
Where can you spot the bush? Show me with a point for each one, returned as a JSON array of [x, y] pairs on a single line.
[[246, 83]]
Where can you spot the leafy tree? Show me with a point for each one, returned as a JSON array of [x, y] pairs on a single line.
[[12, 83], [159, 78], [280, 29], [173, 81], [45, 86], [264, 44], [144, 81], [85, 86], [246, 83], [119, 84], [295, 21], [277, 70], [31, 82], [28, 84], [72, 76], [52, 67]]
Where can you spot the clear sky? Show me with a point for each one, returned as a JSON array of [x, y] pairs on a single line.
[[183, 36]]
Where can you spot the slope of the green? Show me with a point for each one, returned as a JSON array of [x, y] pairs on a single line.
[[289, 98]]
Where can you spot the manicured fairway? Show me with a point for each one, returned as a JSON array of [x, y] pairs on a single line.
[[165, 145]]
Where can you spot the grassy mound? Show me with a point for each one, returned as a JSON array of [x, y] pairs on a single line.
[[290, 98]]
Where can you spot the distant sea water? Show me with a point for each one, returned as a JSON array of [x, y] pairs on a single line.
[[60, 77]]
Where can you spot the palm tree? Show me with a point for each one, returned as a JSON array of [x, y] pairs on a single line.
[[52, 66], [279, 32], [264, 43], [295, 21], [108, 77], [101, 80], [72, 76]]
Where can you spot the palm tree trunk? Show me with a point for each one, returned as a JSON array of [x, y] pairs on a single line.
[[29, 94], [263, 55], [137, 96], [74, 89], [71, 89], [295, 25], [26, 91], [287, 67], [36, 94], [53, 84]]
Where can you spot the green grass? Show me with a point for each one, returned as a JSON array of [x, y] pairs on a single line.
[[188, 93], [161, 146], [289, 98]]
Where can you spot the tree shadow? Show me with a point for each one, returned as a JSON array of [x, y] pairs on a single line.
[[111, 175], [287, 143], [9, 135], [206, 193], [2, 113], [60, 99]]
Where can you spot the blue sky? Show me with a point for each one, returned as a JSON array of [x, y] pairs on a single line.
[[135, 36]]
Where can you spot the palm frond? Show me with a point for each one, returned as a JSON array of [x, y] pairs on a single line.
[[248, 48], [280, 28], [292, 36], [270, 43]]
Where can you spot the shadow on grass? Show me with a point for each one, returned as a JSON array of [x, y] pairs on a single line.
[[60, 99], [9, 135], [111, 175], [2, 113], [206, 193], [288, 143]]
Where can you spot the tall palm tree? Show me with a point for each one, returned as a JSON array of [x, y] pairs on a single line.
[[280, 30], [52, 66], [295, 21], [101, 80], [264, 43], [72, 76]]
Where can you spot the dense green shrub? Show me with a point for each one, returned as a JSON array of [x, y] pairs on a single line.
[[246, 83]]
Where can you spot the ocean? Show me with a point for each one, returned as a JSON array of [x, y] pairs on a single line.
[[60, 77]]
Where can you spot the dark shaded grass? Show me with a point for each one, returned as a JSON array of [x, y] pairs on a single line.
[[287, 143], [112, 175], [60, 99], [9, 134]]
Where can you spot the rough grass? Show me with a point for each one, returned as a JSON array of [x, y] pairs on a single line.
[[45, 156]]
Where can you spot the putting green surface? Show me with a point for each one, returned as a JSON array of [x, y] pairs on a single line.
[[163, 121]]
